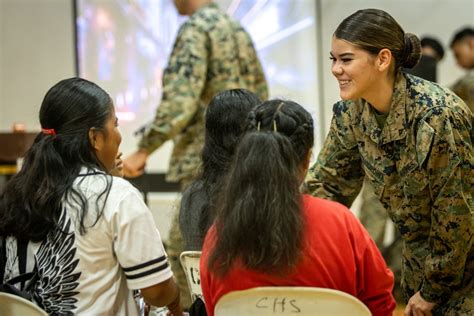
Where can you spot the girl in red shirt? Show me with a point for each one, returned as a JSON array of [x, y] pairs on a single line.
[[266, 233]]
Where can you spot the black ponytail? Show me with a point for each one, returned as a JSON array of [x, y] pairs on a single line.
[[31, 202], [259, 217]]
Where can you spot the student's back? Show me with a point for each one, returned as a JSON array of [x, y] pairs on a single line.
[[337, 254], [225, 124], [268, 234]]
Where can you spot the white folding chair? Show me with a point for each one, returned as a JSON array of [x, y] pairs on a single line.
[[190, 263], [13, 305], [301, 301]]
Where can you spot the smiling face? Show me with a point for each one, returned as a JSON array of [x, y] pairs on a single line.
[[355, 70]]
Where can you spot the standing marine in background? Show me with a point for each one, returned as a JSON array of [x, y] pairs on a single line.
[[212, 53], [462, 46]]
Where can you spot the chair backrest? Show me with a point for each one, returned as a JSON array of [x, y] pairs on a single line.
[[12, 305], [190, 262], [302, 301]]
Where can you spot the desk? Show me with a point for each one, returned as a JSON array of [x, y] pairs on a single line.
[[15, 145], [153, 182], [12, 147]]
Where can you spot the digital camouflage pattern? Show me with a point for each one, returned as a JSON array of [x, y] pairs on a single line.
[[421, 166], [464, 88], [212, 53]]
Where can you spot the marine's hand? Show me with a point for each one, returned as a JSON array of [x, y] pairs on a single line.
[[417, 306], [134, 165]]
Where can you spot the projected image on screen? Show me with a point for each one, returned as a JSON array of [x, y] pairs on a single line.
[[123, 46]]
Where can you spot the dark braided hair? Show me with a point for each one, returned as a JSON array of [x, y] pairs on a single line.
[[291, 120], [225, 125], [259, 217]]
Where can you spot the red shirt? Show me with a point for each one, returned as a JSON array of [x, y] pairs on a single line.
[[338, 253]]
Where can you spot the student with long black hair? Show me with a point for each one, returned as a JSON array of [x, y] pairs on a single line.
[[87, 235], [225, 124], [266, 233]]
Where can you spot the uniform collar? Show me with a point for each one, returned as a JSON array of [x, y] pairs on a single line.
[[395, 125]]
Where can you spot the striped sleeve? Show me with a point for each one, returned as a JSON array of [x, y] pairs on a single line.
[[138, 245]]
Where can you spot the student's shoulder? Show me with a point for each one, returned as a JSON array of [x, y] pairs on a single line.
[[122, 187], [319, 207]]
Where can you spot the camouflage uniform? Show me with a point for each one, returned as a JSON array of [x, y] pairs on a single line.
[[374, 217], [212, 53], [464, 88], [421, 166]]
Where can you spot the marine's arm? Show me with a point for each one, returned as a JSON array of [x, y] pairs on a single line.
[[183, 82], [337, 174]]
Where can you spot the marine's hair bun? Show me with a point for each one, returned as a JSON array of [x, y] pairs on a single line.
[[412, 51]]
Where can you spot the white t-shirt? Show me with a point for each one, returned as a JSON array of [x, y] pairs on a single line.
[[94, 273]]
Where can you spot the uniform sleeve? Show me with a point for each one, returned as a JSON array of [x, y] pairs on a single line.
[[337, 174], [183, 83], [137, 244], [450, 167], [261, 86], [250, 65]]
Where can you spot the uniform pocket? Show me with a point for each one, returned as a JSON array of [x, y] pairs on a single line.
[[414, 182], [424, 141]]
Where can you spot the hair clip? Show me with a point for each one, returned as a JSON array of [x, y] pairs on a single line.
[[258, 126], [275, 126], [48, 131]]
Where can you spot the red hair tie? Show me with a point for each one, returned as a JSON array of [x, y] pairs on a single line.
[[49, 131]]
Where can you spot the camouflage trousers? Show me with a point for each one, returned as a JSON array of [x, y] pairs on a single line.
[[374, 217], [174, 248]]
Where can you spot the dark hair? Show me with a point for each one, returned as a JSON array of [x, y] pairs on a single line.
[[259, 218], [31, 202], [434, 44], [225, 123], [461, 35], [373, 30]]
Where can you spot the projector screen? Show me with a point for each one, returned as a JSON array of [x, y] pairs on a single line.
[[123, 46]]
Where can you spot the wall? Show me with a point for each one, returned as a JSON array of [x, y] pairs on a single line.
[[37, 50]]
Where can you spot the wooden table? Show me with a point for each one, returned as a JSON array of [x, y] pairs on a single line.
[[12, 147]]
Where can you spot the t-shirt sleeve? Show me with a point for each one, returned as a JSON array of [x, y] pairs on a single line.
[[137, 243]]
